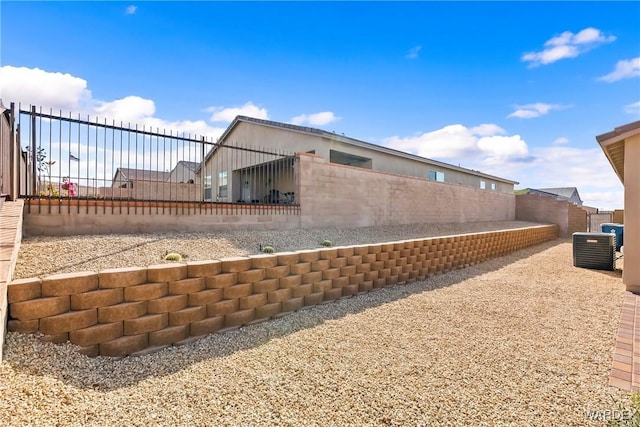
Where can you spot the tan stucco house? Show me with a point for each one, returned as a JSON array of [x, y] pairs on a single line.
[[622, 148], [245, 180]]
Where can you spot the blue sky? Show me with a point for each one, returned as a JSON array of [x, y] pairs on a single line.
[[515, 89]]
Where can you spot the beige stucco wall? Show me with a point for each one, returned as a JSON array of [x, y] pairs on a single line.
[[631, 273], [181, 173], [338, 195]]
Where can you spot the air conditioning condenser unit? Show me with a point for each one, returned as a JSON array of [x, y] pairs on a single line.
[[596, 251]]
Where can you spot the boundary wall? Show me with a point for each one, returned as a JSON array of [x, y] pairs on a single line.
[[333, 195], [543, 209], [330, 195], [134, 311]]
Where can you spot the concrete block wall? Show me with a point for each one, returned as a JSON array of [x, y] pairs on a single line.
[[72, 217], [130, 311], [569, 217], [576, 219], [345, 196], [330, 195], [618, 216]]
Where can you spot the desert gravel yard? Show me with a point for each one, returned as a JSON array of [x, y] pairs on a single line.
[[525, 339]]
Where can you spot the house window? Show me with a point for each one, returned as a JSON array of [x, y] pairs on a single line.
[[222, 186], [207, 188], [349, 159], [483, 185], [493, 185], [436, 176]]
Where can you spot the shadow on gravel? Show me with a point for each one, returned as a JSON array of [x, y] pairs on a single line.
[[105, 374]]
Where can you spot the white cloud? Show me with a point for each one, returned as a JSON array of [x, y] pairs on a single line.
[[587, 169], [128, 109], [70, 94], [131, 10], [457, 141], [42, 88], [567, 45], [605, 200], [625, 69], [316, 119], [222, 114], [488, 129], [530, 111], [633, 108], [488, 148], [413, 52]]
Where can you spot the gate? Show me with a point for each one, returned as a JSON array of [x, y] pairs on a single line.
[[595, 219]]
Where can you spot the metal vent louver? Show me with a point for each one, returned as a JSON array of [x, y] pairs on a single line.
[[594, 250]]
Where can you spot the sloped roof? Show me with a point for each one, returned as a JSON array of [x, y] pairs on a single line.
[[613, 142], [192, 166], [347, 140], [541, 192], [142, 174], [562, 191]]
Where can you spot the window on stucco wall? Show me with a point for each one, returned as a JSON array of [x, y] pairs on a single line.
[[436, 176]]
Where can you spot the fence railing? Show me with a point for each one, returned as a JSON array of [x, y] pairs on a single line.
[[72, 158]]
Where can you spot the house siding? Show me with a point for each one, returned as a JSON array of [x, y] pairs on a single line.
[[631, 274], [272, 138]]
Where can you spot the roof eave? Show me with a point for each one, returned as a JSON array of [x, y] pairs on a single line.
[[619, 134]]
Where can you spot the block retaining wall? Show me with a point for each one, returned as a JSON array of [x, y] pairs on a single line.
[[132, 311]]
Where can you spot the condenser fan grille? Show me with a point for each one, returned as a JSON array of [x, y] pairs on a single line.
[[596, 251]]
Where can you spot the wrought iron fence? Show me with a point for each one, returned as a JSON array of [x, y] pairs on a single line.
[[68, 157]]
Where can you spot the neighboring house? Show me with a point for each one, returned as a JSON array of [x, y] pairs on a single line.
[[184, 172], [569, 194], [251, 180], [566, 193], [622, 148], [126, 178]]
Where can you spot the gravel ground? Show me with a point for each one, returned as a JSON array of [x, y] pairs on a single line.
[[41, 256], [524, 339]]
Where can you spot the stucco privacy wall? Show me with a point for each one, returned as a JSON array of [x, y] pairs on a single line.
[[346, 196], [569, 217], [125, 311]]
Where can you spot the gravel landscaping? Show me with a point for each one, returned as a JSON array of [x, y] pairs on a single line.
[[525, 339], [41, 256]]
